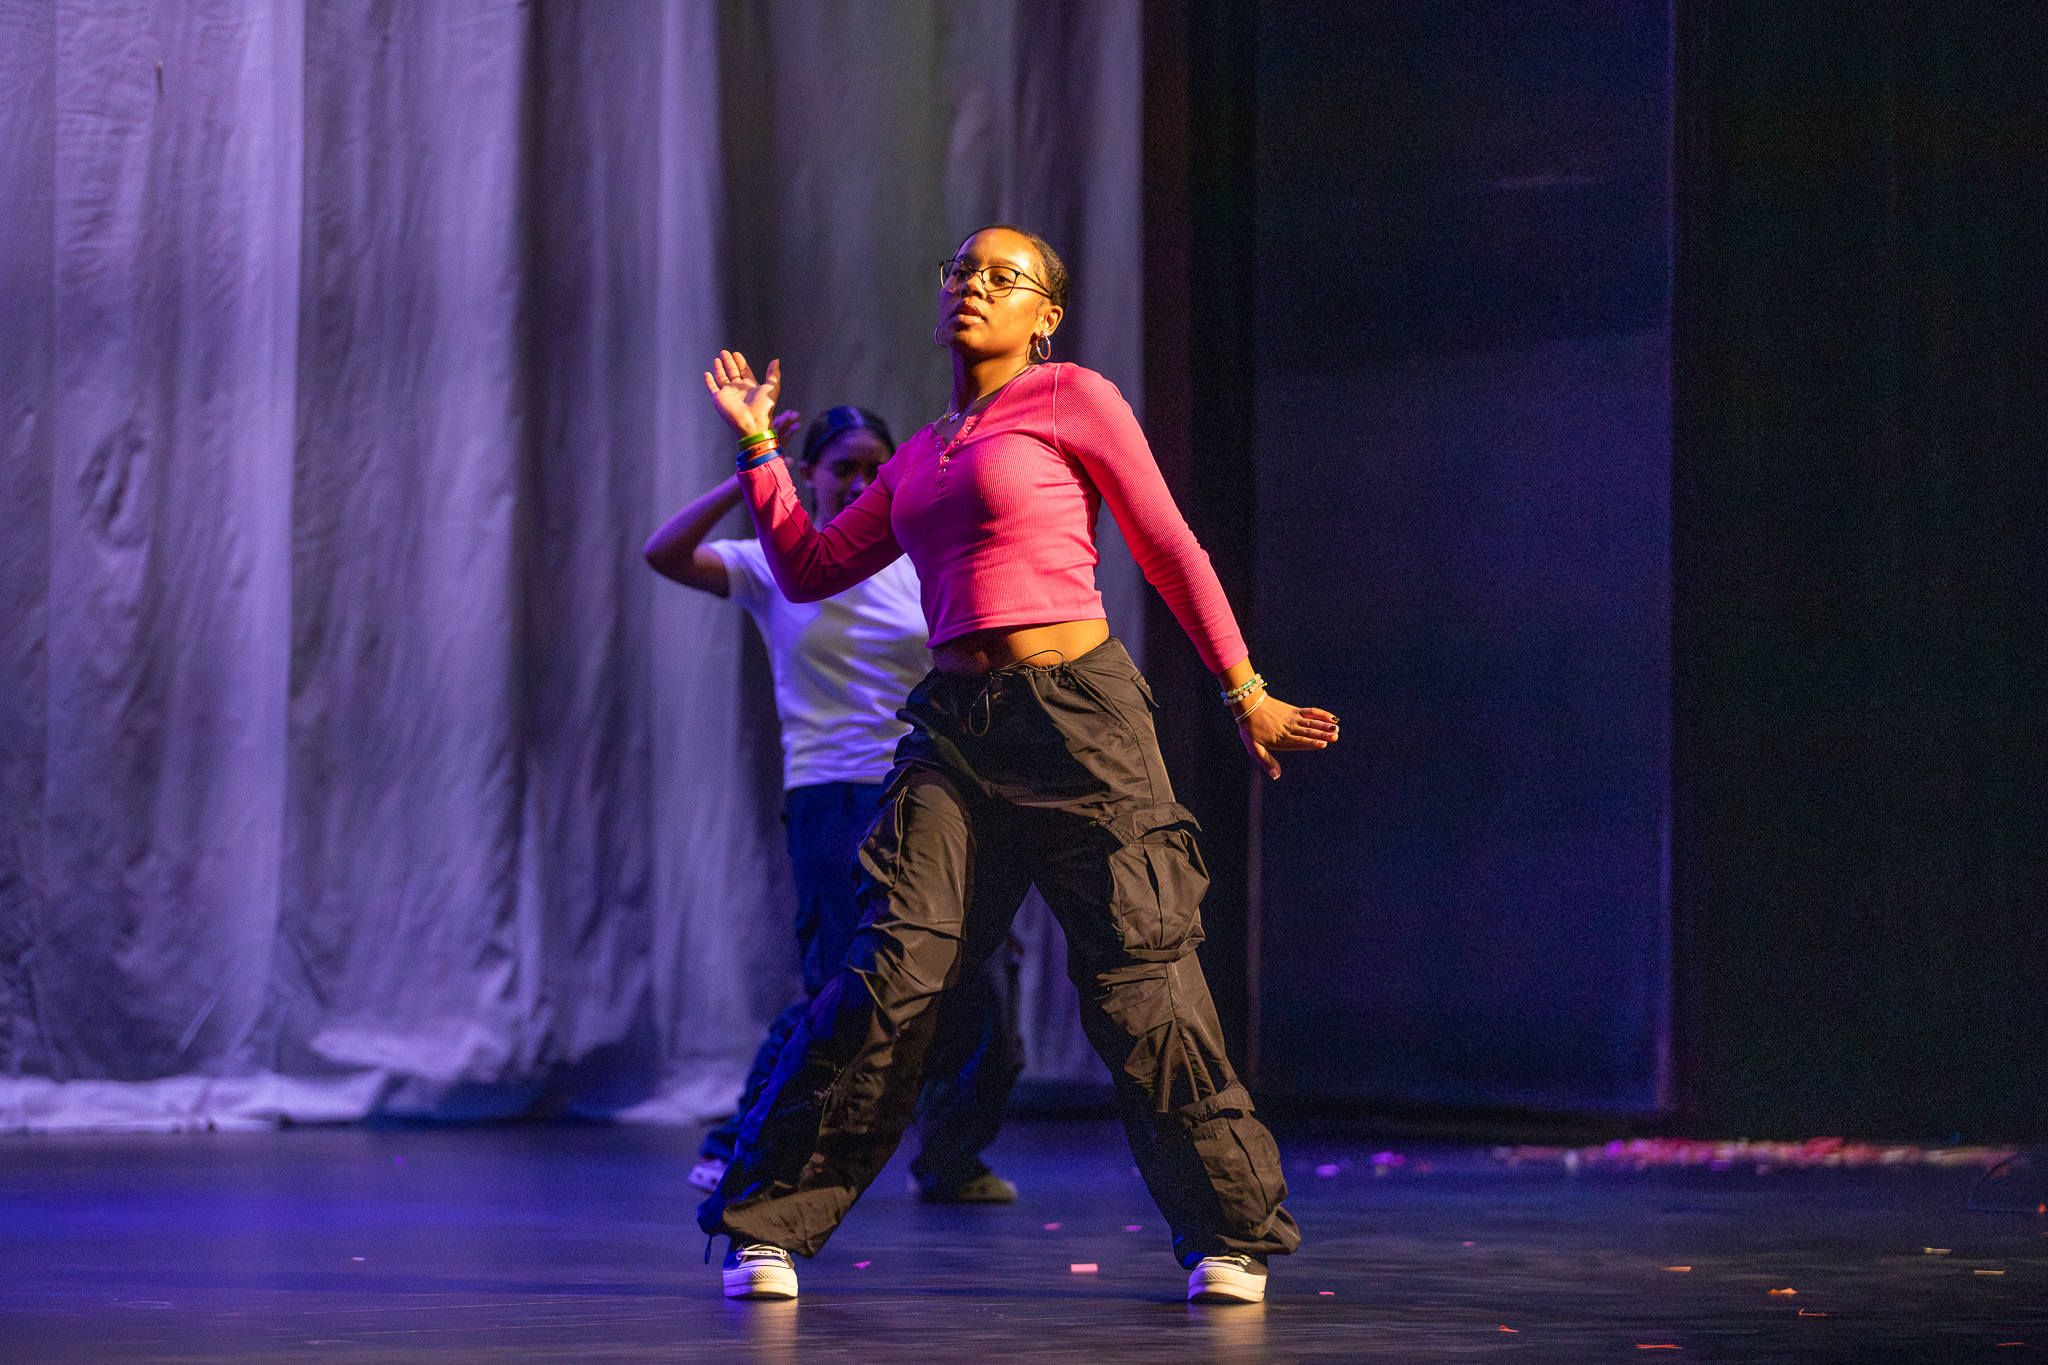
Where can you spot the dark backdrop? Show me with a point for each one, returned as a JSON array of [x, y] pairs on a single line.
[[1462, 456], [1862, 352], [1857, 566]]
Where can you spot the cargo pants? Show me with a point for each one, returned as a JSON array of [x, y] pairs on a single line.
[[1045, 775]]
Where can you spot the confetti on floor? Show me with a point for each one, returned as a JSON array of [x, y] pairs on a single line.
[[1082, 1268], [1326, 1293], [1052, 1227], [1516, 1330], [1784, 1291], [1326, 1170], [1744, 1154], [1987, 1272], [1804, 1314], [1657, 1346], [862, 1265], [355, 1258], [1677, 1268], [1934, 1251], [1134, 1227]]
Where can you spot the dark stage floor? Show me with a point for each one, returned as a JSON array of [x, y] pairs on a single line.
[[568, 1243]]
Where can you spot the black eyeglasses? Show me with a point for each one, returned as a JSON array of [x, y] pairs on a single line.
[[999, 280]]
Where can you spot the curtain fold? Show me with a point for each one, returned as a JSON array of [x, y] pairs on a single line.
[[351, 758]]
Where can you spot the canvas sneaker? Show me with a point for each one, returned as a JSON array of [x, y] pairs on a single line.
[[759, 1271], [706, 1174], [1227, 1279]]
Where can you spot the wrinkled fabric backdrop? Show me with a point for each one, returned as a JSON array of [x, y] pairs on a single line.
[[350, 758]]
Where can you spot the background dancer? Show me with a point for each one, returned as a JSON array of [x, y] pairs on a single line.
[[842, 668], [1031, 759]]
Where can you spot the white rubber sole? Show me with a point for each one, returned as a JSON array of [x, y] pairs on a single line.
[[759, 1280], [1223, 1282]]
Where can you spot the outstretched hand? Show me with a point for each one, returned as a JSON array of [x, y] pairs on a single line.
[[1275, 725], [746, 404]]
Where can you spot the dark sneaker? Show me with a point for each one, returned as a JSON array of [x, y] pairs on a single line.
[[759, 1271], [1227, 1279], [986, 1188]]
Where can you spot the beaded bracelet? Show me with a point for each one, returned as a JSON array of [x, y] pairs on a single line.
[[1233, 695]]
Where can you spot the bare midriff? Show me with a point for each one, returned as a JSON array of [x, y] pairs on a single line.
[[985, 651]]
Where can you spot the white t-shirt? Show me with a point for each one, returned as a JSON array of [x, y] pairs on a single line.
[[842, 666]]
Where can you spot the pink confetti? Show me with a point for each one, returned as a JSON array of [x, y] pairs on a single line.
[[1327, 1293], [1516, 1330], [1468, 1244], [1134, 1227], [355, 1258], [1052, 1227], [1326, 1171], [1082, 1268], [862, 1265]]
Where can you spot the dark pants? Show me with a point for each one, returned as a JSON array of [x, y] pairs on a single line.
[[962, 1105], [1028, 775]]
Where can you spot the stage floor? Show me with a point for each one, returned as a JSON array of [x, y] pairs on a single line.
[[575, 1243]]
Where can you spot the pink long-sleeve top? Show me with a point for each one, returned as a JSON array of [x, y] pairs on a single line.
[[1000, 524]]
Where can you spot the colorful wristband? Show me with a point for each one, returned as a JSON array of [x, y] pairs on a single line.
[[758, 458]]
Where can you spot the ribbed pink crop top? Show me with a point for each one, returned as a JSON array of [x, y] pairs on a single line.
[[1000, 525]]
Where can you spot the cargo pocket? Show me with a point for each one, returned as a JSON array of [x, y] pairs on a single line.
[[1242, 1163], [1156, 882]]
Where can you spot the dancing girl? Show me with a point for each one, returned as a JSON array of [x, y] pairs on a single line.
[[842, 667], [1030, 759]]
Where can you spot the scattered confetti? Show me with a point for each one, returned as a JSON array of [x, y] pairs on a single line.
[[1082, 1268], [1052, 1227], [1987, 1272], [1134, 1227], [1804, 1314], [862, 1265], [1784, 1291], [1743, 1154], [1326, 1293], [355, 1258], [1658, 1346], [1516, 1330], [2012, 1343], [1468, 1244], [1326, 1171], [1934, 1251], [1677, 1268]]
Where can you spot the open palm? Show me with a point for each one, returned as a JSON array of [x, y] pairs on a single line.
[[747, 404]]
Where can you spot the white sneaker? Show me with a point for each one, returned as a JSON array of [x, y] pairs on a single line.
[[759, 1271], [1227, 1279], [706, 1174]]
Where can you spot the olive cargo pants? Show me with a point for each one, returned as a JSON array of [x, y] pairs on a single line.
[[1027, 775]]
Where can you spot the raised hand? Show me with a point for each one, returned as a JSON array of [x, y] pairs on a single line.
[[746, 404], [1275, 725]]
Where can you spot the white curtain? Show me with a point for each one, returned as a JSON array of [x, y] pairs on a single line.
[[349, 757]]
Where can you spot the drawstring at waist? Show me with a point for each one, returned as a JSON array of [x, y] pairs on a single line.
[[991, 690]]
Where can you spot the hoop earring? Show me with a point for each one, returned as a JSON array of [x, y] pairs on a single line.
[[938, 340], [1041, 347]]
